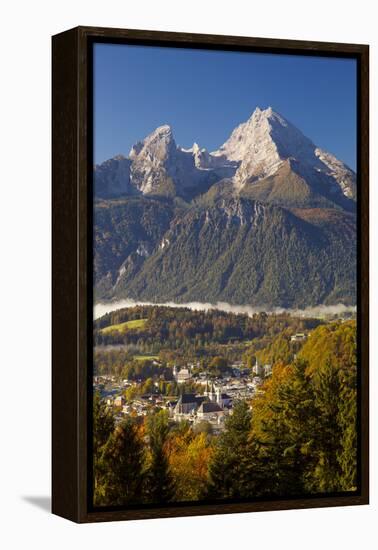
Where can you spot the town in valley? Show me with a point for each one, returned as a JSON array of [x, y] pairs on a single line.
[[198, 389]]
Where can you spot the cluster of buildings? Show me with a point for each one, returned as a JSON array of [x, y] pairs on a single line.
[[212, 404]]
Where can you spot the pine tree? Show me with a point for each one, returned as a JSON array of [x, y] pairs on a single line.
[[103, 423], [347, 455], [158, 483], [347, 417], [326, 474], [283, 430], [122, 462], [103, 426], [232, 466]]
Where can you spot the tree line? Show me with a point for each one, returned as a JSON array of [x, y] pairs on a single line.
[[180, 327]]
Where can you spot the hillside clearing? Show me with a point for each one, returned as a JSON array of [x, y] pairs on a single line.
[[145, 357], [135, 324]]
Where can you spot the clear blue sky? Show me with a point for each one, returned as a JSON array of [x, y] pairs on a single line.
[[203, 95]]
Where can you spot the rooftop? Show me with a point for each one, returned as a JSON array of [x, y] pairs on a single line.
[[209, 407]]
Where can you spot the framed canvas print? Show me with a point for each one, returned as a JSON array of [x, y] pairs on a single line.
[[210, 274]]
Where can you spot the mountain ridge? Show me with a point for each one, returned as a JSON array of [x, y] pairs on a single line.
[[238, 251], [255, 150]]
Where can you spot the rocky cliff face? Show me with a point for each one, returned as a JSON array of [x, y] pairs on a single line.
[[112, 178]]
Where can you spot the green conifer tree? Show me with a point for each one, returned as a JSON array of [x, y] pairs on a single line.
[[122, 461], [158, 483], [103, 426], [233, 470]]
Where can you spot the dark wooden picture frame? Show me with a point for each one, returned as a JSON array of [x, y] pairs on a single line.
[[72, 276]]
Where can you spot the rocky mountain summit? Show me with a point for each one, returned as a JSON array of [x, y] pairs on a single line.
[[268, 219], [257, 149], [267, 140]]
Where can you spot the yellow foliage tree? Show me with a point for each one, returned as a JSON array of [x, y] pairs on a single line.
[[189, 457]]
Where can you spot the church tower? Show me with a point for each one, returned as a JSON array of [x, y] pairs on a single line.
[[256, 369], [219, 396], [212, 395]]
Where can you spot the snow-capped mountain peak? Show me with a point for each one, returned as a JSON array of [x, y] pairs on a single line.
[[267, 134], [267, 139], [256, 149]]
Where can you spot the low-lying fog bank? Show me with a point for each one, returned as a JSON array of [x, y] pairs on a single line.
[[318, 311]]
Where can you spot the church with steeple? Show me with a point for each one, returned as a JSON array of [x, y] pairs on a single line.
[[212, 403], [215, 395]]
